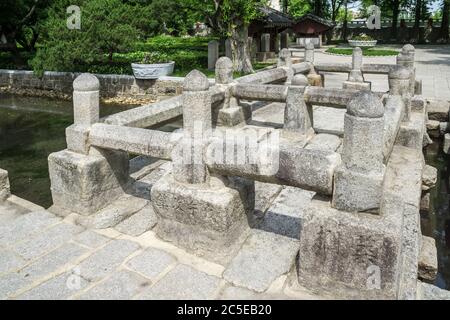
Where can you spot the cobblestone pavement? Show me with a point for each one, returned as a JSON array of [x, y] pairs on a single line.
[[432, 67]]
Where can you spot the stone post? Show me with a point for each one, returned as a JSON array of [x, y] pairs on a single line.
[[5, 191], [265, 42], [358, 182], [355, 77], [213, 54], [284, 40], [188, 160], [204, 214], [84, 179], [406, 59], [314, 79], [297, 114], [399, 85], [228, 49], [231, 113], [285, 61]]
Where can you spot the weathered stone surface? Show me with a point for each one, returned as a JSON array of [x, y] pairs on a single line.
[[284, 217], [393, 115], [425, 202], [11, 283], [233, 116], [47, 240], [329, 120], [91, 239], [206, 219], [428, 261], [447, 143], [59, 288], [140, 222], [115, 213], [429, 177], [4, 185], [411, 134], [183, 283], [352, 85], [52, 261], [213, 54], [86, 82], [10, 261], [263, 258], [224, 71], [105, 261], [431, 292], [265, 193], [151, 263], [77, 138], [297, 115], [123, 285], [438, 110], [325, 142], [86, 184]]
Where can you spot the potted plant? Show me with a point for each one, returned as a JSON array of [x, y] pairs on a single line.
[[363, 40], [153, 66]]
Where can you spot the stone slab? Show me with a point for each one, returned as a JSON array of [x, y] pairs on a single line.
[[151, 263], [91, 239], [428, 261], [325, 142], [140, 222], [262, 259], [10, 261], [431, 292]]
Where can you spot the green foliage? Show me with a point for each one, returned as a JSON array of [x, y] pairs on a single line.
[[366, 52], [363, 37], [298, 8]]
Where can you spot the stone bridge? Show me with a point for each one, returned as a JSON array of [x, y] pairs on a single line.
[[261, 194]]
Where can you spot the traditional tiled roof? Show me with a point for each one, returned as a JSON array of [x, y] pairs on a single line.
[[275, 18], [315, 18]]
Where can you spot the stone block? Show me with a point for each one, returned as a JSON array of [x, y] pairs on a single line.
[[91, 239], [430, 292], [262, 259], [425, 202], [438, 109], [324, 142], [447, 143], [183, 283], [86, 184], [428, 261], [4, 185], [11, 283], [429, 177], [411, 134], [151, 263], [207, 219], [354, 191], [140, 222], [365, 85], [77, 139], [233, 116]]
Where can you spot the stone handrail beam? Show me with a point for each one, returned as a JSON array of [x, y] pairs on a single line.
[[393, 115], [371, 68], [268, 92], [268, 76]]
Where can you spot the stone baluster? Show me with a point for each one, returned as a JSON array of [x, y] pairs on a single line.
[[406, 59], [314, 78], [213, 54], [355, 77], [285, 61], [399, 85], [5, 191], [358, 182], [298, 115], [189, 166]]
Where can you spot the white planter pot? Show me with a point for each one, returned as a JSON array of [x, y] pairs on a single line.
[[152, 71], [362, 43]]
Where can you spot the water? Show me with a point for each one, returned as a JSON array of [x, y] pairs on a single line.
[[436, 224], [31, 129]]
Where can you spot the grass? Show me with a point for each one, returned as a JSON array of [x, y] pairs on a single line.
[[369, 52]]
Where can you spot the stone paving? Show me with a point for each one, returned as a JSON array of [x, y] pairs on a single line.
[[432, 67], [44, 256]]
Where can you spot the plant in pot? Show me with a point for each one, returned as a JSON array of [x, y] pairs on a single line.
[[362, 40], [153, 66]]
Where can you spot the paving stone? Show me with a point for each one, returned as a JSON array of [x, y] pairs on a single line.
[[151, 262], [10, 261], [25, 226], [91, 239], [263, 258], [59, 288], [138, 223], [11, 283], [237, 293], [183, 283], [47, 241], [325, 142], [107, 259], [265, 193], [54, 260], [285, 214], [122, 285]]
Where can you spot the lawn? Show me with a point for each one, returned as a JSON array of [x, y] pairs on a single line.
[[369, 52], [188, 53]]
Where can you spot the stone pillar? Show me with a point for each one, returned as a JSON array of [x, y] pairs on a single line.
[[358, 182], [284, 40], [204, 214], [399, 85], [355, 77], [5, 191], [406, 59], [188, 165], [228, 49], [298, 115], [84, 179], [314, 79], [213, 54], [285, 61], [231, 114], [265, 42]]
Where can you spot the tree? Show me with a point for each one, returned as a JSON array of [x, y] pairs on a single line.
[[20, 25], [107, 26], [169, 16], [298, 8], [445, 20], [230, 18]]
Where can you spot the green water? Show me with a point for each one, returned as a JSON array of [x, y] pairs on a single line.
[[31, 129]]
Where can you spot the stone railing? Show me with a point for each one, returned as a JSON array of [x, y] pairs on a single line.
[[204, 202]]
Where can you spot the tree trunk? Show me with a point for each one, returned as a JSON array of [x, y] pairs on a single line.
[[417, 17], [344, 25], [445, 22], [395, 13], [240, 50]]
